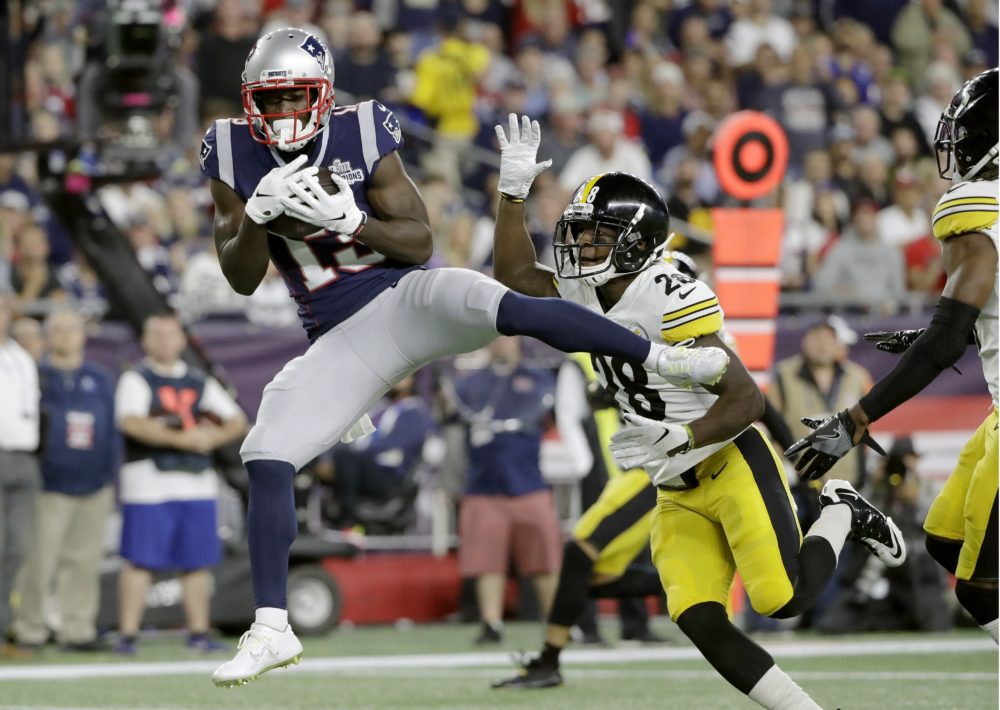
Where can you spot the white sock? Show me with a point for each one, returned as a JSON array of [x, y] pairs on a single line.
[[991, 629], [833, 525], [271, 616], [776, 691]]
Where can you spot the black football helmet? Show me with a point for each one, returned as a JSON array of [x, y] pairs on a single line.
[[968, 131], [631, 208]]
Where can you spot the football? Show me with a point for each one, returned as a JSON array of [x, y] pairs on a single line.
[[291, 228]]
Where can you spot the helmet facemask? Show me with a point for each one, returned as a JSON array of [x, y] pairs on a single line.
[[630, 251], [288, 130], [966, 145]]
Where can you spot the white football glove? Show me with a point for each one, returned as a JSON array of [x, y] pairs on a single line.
[[265, 203], [643, 440], [518, 168], [310, 203]]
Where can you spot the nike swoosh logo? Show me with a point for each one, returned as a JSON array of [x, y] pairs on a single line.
[[340, 216], [716, 474], [685, 294], [830, 437]]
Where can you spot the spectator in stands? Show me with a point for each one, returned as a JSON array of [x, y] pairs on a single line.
[[79, 459], [807, 108], [507, 510], [19, 477], [714, 13], [27, 332], [378, 465], [755, 26], [982, 26], [697, 129], [822, 378], [608, 150], [860, 264], [33, 278], [294, 13], [564, 133], [445, 90], [939, 82], [222, 52], [868, 138], [906, 219], [173, 417], [663, 116], [923, 28], [365, 72], [896, 111]]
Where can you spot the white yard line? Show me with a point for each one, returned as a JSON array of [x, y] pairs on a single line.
[[366, 664]]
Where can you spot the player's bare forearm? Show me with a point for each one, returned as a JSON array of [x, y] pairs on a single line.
[[240, 242], [399, 226], [739, 404], [404, 239], [514, 259]]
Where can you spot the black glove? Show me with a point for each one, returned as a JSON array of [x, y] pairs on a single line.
[[898, 341], [893, 341], [832, 439]]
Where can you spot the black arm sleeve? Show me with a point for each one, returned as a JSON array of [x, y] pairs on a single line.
[[939, 347], [776, 424]]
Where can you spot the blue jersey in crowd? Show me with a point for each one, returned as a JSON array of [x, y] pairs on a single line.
[[330, 280], [81, 448], [505, 416]]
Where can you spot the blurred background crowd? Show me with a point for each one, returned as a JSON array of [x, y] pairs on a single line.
[[638, 85]]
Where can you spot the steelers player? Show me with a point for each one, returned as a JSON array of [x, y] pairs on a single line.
[[723, 504], [608, 537], [961, 525]]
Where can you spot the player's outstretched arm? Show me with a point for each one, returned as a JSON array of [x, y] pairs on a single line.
[[515, 263], [970, 261], [399, 227], [240, 242]]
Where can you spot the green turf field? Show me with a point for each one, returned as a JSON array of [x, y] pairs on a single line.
[[437, 667]]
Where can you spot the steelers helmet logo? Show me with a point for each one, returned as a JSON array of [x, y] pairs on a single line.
[[750, 153]]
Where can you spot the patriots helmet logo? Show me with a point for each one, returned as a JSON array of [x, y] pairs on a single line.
[[314, 48]]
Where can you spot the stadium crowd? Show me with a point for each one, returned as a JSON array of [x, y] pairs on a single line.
[[857, 86], [638, 85]]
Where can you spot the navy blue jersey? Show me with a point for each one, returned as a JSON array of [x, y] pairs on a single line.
[[505, 417], [329, 280], [81, 447]]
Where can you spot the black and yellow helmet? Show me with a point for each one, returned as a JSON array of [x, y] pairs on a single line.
[[967, 130], [623, 204]]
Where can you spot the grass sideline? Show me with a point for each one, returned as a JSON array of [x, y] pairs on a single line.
[[408, 671]]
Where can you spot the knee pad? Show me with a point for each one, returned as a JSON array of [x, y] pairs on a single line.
[[572, 592], [979, 599], [945, 552]]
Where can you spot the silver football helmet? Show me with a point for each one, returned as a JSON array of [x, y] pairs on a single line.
[[288, 58]]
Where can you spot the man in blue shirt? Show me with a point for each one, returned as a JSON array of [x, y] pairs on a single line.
[[507, 509], [79, 458]]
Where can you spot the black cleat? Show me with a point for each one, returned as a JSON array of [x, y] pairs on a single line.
[[869, 525], [534, 675]]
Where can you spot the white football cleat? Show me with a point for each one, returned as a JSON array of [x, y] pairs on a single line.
[[684, 366], [869, 525], [261, 649]]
